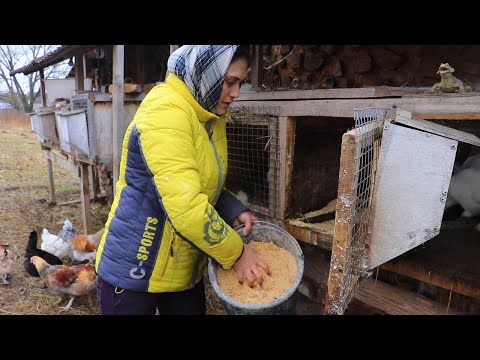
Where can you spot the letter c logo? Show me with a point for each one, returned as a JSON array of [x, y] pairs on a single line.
[[137, 276]]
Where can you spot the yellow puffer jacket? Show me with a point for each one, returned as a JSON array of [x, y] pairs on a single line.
[[162, 222]]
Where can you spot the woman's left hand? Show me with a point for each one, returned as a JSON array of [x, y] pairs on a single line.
[[246, 218]]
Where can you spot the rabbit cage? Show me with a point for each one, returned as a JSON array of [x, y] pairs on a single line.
[[318, 180], [283, 167]]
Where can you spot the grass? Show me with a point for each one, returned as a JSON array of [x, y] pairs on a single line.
[[25, 189]]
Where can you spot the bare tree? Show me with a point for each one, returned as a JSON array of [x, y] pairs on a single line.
[[21, 91]]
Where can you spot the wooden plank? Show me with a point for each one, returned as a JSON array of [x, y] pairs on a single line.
[[319, 234], [439, 108], [379, 298], [85, 196], [467, 284], [351, 93], [346, 197], [287, 145]]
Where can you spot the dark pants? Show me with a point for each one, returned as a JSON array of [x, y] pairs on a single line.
[[117, 301]]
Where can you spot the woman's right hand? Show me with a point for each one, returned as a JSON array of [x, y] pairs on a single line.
[[249, 266]]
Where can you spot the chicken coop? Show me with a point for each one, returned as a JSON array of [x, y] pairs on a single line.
[[312, 166]]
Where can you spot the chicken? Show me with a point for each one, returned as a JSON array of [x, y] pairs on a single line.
[[85, 246], [6, 263], [75, 280], [59, 245], [32, 250]]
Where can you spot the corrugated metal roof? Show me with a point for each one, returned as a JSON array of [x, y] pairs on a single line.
[[61, 53]]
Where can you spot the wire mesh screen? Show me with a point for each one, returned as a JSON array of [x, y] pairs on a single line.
[[358, 163], [253, 158]]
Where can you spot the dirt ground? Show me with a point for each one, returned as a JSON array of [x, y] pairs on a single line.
[[24, 207]]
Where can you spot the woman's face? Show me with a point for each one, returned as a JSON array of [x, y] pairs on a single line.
[[234, 78]]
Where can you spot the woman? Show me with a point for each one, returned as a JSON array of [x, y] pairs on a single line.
[[170, 210]]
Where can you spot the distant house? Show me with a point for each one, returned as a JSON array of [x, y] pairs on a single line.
[[5, 106]]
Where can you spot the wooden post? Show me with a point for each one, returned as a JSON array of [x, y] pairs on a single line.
[[117, 109], [85, 195], [94, 181], [53, 199], [257, 67], [345, 201], [42, 88], [287, 145], [140, 59], [79, 76]]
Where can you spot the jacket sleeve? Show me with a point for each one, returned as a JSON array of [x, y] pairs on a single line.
[[168, 149], [229, 207]]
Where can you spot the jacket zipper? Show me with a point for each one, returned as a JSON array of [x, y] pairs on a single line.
[[209, 128], [172, 241]]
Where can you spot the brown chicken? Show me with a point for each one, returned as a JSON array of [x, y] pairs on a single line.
[[85, 246], [6, 263], [75, 280]]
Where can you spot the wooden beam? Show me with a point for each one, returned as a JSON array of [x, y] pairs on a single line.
[[352, 93], [439, 108], [117, 109], [467, 284], [85, 196]]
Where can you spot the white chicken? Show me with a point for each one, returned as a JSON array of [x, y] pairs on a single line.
[[59, 245], [6, 263]]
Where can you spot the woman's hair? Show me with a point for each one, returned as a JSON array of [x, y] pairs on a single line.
[[242, 52]]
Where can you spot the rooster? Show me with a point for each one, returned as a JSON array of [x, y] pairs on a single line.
[[85, 246], [59, 245], [6, 263], [75, 280], [32, 250]]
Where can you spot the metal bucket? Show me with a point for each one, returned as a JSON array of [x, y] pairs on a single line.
[[264, 231]]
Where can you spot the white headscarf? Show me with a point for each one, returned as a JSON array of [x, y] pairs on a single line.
[[203, 69]]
